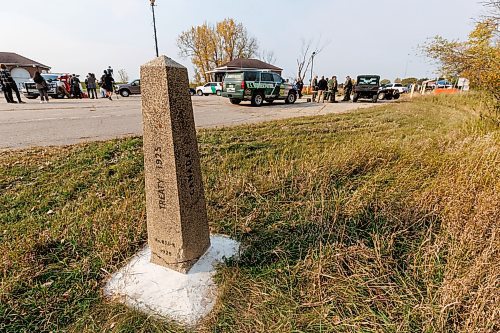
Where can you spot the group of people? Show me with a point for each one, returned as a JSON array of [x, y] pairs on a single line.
[[326, 89], [69, 86]]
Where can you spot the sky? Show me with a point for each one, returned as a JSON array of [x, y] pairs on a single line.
[[359, 36]]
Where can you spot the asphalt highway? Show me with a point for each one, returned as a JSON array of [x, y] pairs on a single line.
[[64, 122]]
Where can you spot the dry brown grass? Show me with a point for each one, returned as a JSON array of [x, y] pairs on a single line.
[[381, 220]]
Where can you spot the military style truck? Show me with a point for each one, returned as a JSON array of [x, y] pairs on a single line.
[[257, 86], [367, 87]]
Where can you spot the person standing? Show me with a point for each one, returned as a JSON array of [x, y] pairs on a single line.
[[9, 82], [108, 84], [322, 86], [300, 86], [347, 89], [42, 87], [332, 88], [7, 92], [314, 87], [91, 86], [75, 86]]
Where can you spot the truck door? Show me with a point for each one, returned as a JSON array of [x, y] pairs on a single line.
[[135, 87], [279, 89], [267, 83]]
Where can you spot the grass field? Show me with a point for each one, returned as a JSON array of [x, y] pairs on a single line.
[[379, 220]]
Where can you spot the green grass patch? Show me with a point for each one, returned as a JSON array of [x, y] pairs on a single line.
[[378, 220]]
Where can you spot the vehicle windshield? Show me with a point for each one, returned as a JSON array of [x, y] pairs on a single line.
[[233, 76], [52, 77], [371, 81]]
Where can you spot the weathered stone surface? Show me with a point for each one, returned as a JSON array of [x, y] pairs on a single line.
[[178, 233]]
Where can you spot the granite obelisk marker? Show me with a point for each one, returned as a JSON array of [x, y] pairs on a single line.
[[178, 233]]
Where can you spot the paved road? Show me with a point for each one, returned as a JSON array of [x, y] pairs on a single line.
[[63, 122]]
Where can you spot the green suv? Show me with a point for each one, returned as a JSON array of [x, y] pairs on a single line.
[[257, 86]]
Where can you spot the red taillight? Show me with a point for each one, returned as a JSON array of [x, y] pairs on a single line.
[[243, 86]]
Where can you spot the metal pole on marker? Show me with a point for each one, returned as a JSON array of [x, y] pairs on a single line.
[[154, 26]]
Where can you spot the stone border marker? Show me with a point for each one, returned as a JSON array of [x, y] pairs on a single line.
[[178, 233], [173, 276]]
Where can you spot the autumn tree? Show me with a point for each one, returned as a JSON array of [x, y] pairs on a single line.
[[210, 46], [477, 58]]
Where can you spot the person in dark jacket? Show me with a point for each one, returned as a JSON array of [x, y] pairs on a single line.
[[347, 89], [108, 84], [42, 87], [322, 86], [7, 93], [300, 86], [91, 83], [9, 83], [75, 86]]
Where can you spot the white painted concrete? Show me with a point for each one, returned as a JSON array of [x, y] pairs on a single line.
[[161, 292]]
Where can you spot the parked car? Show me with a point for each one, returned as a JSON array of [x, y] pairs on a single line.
[[211, 88], [55, 81], [388, 93], [397, 86], [127, 89], [367, 87], [257, 86], [134, 88]]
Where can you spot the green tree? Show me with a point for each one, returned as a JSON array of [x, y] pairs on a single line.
[[409, 80], [385, 81]]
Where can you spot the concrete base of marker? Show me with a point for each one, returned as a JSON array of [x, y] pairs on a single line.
[[165, 293]]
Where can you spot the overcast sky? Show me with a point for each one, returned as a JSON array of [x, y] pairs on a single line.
[[362, 36]]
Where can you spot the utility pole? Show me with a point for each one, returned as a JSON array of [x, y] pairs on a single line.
[[406, 67], [312, 66], [154, 26]]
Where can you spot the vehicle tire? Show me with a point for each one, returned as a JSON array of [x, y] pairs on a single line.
[[270, 101], [396, 95], [235, 101], [199, 93], [291, 98], [381, 96], [374, 98], [191, 93], [218, 92], [355, 98], [258, 99], [124, 93]]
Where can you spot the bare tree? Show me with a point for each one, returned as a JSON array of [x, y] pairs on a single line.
[[305, 58], [123, 75], [493, 7], [267, 56]]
